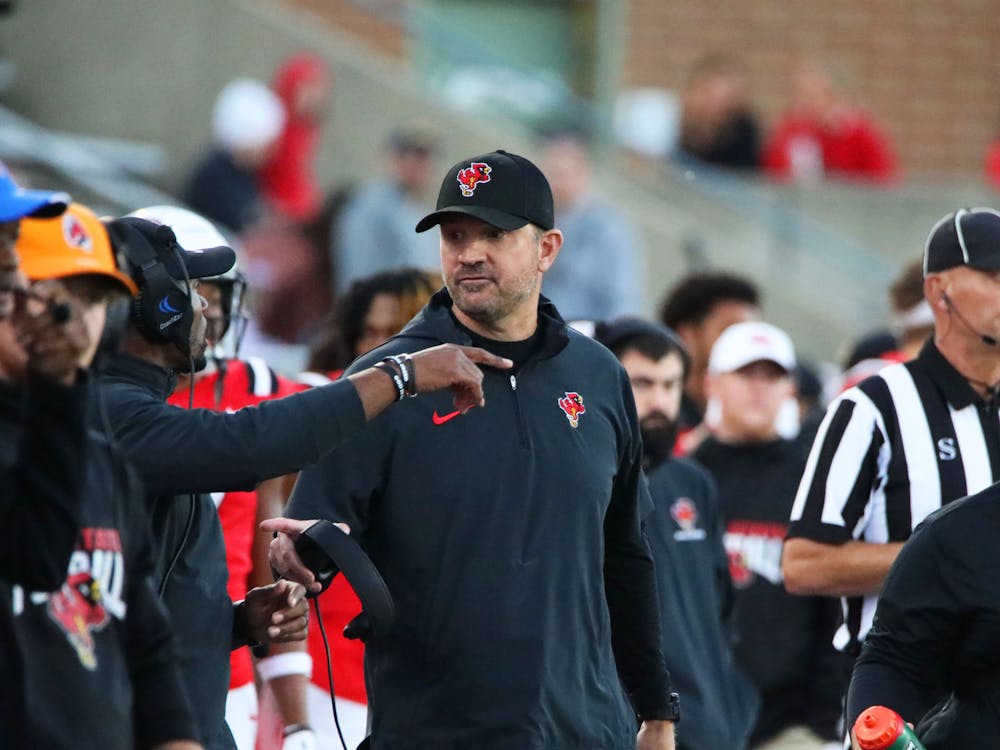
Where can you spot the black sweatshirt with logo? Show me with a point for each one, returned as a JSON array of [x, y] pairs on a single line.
[[510, 538], [90, 663], [685, 529], [41, 480], [784, 640]]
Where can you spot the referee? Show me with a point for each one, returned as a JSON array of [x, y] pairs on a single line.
[[909, 439]]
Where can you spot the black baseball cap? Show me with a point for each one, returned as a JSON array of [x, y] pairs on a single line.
[[967, 237], [160, 240], [502, 189]]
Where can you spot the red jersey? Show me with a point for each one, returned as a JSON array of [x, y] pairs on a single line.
[[243, 383], [853, 149]]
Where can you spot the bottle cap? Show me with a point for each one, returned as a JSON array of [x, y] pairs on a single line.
[[877, 728]]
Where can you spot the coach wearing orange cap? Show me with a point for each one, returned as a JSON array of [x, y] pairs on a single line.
[[90, 661]]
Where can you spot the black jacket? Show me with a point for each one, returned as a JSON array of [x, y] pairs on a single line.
[[42, 436], [198, 451], [685, 530], [937, 627], [784, 641], [91, 664], [510, 538]]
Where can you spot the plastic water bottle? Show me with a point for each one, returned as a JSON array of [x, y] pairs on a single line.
[[881, 728]]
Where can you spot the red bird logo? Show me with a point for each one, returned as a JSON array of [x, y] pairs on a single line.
[[472, 176], [685, 513], [78, 610], [572, 406], [75, 233]]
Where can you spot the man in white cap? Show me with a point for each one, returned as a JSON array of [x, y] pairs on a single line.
[[783, 641], [223, 187]]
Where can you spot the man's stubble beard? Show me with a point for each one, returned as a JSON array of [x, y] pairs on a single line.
[[499, 306]]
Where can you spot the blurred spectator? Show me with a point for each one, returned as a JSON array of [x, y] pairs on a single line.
[[991, 164], [700, 307], [718, 125], [684, 531], [223, 187], [375, 228], [287, 178], [783, 640], [287, 266], [809, 396], [824, 134], [912, 318], [370, 312], [600, 277], [868, 355]]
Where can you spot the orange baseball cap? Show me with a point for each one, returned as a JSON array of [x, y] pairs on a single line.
[[73, 244]]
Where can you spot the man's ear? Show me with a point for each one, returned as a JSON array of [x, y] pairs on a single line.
[[549, 246], [935, 292]]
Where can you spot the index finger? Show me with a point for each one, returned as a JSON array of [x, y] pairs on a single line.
[[483, 357], [291, 526], [295, 593]]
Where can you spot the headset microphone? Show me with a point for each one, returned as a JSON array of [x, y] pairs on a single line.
[[988, 340]]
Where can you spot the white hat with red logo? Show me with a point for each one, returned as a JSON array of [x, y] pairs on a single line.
[[744, 343]]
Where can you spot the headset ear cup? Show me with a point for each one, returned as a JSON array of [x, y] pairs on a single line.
[[141, 316], [174, 316]]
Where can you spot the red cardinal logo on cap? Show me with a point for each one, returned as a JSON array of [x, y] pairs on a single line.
[[472, 176], [75, 233], [572, 405]]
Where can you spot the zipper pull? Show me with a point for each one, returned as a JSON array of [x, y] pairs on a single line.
[[513, 383]]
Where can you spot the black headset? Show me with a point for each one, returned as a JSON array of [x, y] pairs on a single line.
[[326, 551], [162, 311]]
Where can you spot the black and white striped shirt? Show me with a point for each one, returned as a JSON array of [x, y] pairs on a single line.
[[889, 452]]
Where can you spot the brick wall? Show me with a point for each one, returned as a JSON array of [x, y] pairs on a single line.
[[376, 29], [929, 70]]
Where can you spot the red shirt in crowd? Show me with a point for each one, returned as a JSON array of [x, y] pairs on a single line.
[[801, 147]]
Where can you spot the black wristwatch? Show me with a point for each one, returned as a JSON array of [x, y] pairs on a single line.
[[671, 712]]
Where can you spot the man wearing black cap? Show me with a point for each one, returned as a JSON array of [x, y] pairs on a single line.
[[182, 454], [510, 536], [685, 531], [909, 439]]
